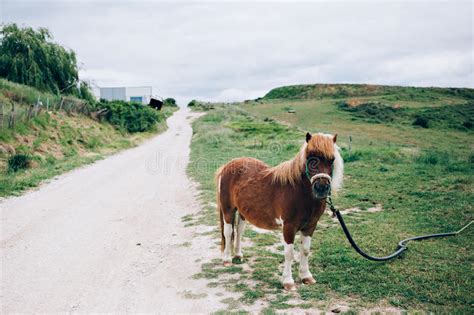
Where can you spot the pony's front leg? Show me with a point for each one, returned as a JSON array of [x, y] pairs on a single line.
[[288, 242], [305, 275]]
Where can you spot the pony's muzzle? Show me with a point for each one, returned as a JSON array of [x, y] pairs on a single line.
[[321, 185]]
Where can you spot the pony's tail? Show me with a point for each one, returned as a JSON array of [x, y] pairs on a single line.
[[221, 217], [219, 207]]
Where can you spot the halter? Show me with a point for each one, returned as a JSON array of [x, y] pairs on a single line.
[[319, 175]]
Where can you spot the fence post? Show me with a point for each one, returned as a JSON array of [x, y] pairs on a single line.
[[35, 110], [12, 117], [29, 112], [2, 113]]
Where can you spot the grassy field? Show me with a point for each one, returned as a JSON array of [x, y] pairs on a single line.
[[421, 178], [56, 141]]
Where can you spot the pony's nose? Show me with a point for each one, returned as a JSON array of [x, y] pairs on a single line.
[[322, 185]]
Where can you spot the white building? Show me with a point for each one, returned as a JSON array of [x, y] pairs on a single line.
[[140, 94]]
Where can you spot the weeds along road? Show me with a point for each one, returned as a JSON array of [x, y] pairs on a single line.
[[108, 237]]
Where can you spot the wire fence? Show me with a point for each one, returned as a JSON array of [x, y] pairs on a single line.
[[15, 110]]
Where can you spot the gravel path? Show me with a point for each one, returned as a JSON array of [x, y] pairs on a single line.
[[108, 237]]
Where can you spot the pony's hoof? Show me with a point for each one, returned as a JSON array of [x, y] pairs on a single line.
[[289, 287], [309, 280], [227, 263]]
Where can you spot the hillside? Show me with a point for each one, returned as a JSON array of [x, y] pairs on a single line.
[[319, 91], [39, 142]]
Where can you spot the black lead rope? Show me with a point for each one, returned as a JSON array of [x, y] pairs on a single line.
[[401, 245]]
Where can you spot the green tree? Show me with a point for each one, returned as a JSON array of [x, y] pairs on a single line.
[[170, 102], [85, 93], [31, 57]]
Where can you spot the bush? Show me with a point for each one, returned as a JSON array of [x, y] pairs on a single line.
[[18, 162], [373, 111], [351, 156], [132, 117], [421, 121], [433, 158], [193, 103], [470, 159], [170, 102], [468, 124]]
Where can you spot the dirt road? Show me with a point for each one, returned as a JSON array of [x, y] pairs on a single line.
[[108, 237]]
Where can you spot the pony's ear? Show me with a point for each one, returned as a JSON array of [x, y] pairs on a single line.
[[308, 136], [334, 138]]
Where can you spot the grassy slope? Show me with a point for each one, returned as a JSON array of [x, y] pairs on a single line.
[[57, 142], [422, 178], [399, 93]]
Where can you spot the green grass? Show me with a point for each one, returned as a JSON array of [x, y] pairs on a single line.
[[325, 116], [423, 178]]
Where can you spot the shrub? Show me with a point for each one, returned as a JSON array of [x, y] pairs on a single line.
[[421, 121], [471, 158], [448, 116], [433, 158], [132, 117], [351, 156], [18, 162], [193, 103], [373, 111], [93, 142], [170, 102], [467, 124]]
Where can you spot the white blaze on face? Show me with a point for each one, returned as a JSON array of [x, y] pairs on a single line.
[[219, 184]]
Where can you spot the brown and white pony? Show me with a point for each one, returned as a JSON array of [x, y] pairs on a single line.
[[291, 196]]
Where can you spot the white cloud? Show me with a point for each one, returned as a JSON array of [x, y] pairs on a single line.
[[236, 51]]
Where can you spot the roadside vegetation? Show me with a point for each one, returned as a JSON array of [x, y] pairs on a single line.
[[401, 179], [56, 140], [50, 121], [131, 117]]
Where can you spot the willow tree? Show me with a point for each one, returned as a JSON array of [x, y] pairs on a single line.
[[31, 57]]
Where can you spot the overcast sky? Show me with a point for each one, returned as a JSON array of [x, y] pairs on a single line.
[[239, 50]]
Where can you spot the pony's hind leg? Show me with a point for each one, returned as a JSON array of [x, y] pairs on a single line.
[[238, 240], [305, 275], [228, 230]]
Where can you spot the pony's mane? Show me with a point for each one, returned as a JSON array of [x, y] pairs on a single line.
[[337, 171], [289, 172]]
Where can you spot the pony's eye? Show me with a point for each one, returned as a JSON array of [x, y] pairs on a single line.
[[313, 163]]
